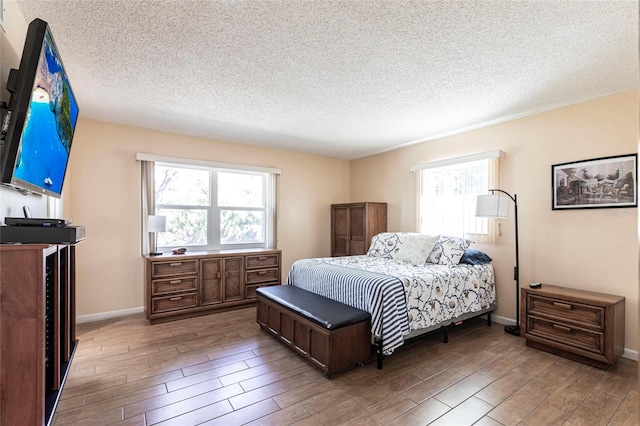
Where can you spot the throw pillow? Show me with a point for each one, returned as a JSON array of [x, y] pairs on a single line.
[[415, 249]]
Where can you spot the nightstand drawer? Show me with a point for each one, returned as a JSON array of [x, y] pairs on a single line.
[[178, 267], [262, 261], [172, 303], [569, 311], [174, 285], [262, 275], [566, 334]]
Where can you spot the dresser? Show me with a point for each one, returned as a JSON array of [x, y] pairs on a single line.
[[354, 224], [581, 325], [198, 283]]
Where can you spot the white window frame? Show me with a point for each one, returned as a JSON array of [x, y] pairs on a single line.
[[477, 229], [213, 231]]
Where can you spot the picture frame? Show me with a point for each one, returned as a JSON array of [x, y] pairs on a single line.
[[606, 182]]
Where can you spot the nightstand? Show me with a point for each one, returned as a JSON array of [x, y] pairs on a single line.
[[581, 325]]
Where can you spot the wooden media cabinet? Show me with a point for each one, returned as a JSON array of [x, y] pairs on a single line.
[[37, 329]]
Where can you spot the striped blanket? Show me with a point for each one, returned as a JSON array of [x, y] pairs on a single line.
[[380, 295]]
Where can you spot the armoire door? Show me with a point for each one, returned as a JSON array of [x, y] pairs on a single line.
[[358, 229], [340, 231]]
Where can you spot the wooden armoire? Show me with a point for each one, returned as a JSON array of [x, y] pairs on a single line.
[[354, 224]]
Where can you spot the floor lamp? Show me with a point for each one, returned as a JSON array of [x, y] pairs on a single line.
[[156, 224], [497, 206]]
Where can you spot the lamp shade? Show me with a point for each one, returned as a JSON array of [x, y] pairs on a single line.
[[156, 223], [496, 206]]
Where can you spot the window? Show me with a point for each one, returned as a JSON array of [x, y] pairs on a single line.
[[207, 205], [448, 191]]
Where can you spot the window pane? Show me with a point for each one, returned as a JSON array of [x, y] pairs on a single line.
[[237, 226], [447, 199], [240, 190], [181, 186], [184, 227]]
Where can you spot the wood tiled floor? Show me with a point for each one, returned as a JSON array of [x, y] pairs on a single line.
[[223, 369]]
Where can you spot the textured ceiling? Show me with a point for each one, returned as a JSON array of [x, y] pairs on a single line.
[[338, 78]]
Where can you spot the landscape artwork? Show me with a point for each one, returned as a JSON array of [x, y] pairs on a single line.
[[597, 183]]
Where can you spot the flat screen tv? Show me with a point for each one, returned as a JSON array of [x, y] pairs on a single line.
[[41, 117]]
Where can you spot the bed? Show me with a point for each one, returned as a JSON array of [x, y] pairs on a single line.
[[410, 283]]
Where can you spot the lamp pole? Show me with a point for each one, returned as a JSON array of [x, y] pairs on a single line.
[[514, 329]]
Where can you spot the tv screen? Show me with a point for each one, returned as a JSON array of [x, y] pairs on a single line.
[[43, 114]]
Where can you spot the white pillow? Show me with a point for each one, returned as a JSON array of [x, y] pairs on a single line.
[[449, 250], [415, 248]]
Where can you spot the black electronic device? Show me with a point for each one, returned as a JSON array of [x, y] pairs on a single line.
[[34, 221], [42, 234], [40, 121], [535, 285]]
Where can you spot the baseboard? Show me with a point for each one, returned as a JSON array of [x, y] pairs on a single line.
[[628, 353], [81, 319], [502, 320]]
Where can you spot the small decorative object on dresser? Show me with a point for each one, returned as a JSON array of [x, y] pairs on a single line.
[[580, 325]]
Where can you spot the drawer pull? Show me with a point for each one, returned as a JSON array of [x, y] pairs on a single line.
[[175, 281], [562, 328], [175, 264], [175, 299], [263, 257], [262, 272], [218, 275], [562, 305]]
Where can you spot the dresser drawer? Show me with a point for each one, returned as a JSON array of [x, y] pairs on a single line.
[[566, 334], [183, 267], [250, 291], [262, 261], [174, 285], [262, 275], [569, 311], [175, 302]]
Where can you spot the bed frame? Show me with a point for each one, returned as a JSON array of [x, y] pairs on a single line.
[[423, 332]]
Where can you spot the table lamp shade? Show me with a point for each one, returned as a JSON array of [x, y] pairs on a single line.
[[157, 223], [492, 206]]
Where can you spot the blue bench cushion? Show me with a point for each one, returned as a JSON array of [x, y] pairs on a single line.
[[328, 313]]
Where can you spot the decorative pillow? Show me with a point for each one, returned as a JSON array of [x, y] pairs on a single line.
[[384, 243], [475, 257], [415, 248], [449, 250]]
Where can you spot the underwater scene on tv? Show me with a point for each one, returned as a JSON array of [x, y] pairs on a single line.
[[49, 126]]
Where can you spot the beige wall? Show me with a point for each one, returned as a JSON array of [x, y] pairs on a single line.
[[105, 197], [593, 249]]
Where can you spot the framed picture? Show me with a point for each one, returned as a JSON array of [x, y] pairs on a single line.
[[597, 183]]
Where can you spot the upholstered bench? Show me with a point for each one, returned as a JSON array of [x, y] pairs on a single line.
[[329, 334]]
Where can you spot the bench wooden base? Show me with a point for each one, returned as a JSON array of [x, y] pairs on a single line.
[[330, 350]]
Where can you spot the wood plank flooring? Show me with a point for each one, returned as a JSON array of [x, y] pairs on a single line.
[[222, 369]]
